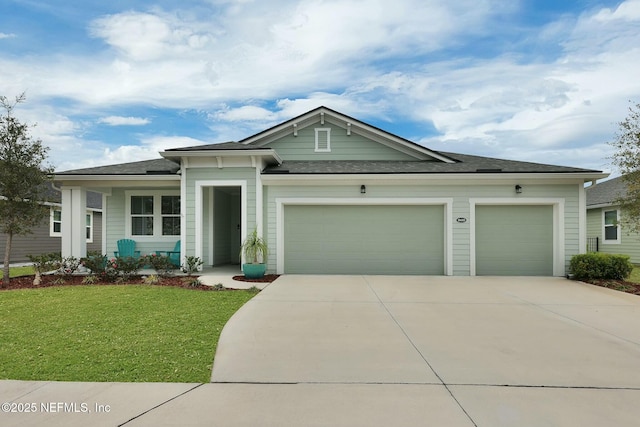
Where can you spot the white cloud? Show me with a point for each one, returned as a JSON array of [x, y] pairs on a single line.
[[251, 64], [124, 121], [7, 36]]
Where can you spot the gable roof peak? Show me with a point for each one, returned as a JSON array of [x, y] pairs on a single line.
[[322, 114]]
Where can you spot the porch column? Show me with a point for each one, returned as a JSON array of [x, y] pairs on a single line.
[[74, 222]]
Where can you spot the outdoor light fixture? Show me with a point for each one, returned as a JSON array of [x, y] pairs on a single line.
[[518, 189], [363, 189]]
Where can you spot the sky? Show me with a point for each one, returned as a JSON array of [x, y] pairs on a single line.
[[117, 81]]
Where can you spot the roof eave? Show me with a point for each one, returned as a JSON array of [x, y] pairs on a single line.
[[456, 176], [177, 155]]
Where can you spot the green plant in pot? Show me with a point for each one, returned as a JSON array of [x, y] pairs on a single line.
[[255, 251]]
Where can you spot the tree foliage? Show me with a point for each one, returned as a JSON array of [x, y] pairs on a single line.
[[627, 159], [23, 174]]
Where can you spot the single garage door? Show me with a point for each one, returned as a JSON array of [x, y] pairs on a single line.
[[514, 240], [360, 239]]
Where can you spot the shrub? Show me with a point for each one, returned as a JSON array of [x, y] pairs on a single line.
[[44, 263], [96, 262], [161, 264], [126, 266], [68, 265], [192, 264], [596, 265]]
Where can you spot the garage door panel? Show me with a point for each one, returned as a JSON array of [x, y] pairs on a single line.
[[364, 239], [514, 240]]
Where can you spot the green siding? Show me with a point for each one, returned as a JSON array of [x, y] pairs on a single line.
[[115, 223], [514, 240], [629, 241], [215, 174], [460, 195], [364, 240], [343, 146]]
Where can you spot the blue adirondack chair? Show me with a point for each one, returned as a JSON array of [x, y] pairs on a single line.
[[127, 248], [174, 255]]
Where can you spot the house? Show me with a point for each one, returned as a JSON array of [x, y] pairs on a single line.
[[604, 232], [332, 194], [47, 237]]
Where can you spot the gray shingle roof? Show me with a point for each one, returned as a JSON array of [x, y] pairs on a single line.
[[606, 192], [146, 167], [465, 164]]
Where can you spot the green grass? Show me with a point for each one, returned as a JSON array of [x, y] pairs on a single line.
[[18, 271], [129, 333], [635, 275]]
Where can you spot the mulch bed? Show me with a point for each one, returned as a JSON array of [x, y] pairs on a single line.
[[26, 282], [618, 285]]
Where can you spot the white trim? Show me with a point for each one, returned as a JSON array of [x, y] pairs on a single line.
[[618, 239], [259, 201], [211, 226], [582, 220], [326, 131], [446, 202], [199, 186], [157, 215], [183, 209], [104, 221], [558, 226]]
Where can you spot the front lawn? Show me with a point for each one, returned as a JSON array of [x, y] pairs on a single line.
[[18, 271], [131, 333]]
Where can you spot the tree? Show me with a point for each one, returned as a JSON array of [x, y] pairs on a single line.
[[627, 159], [22, 178]]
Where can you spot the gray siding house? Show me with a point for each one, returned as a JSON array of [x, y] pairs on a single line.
[[604, 232], [47, 237], [334, 195]]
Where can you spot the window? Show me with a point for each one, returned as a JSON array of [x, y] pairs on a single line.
[[89, 225], [55, 227], [153, 214], [142, 215], [611, 227], [56, 222], [323, 140], [170, 215]]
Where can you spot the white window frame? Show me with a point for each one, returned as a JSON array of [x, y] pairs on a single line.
[[52, 221], [327, 131], [606, 241], [157, 215]]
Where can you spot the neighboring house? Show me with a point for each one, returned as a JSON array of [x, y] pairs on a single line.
[[332, 194], [47, 237], [604, 232]]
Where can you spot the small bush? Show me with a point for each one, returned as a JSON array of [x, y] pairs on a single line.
[[96, 262], [126, 266], [161, 264], [152, 279], [597, 265], [192, 264]]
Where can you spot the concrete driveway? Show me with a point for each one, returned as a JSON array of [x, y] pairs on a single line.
[[401, 351], [452, 351]]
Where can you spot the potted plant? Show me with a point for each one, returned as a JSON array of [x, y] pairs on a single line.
[[255, 250]]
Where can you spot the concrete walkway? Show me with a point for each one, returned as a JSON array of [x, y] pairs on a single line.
[[401, 351]]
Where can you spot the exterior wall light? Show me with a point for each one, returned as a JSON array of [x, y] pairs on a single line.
[[518, 189], [363, 189]]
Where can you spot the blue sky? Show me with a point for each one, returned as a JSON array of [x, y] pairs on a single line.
[[109, 82]]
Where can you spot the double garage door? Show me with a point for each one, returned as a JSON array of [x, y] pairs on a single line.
[[513, 240], [358, 239]]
